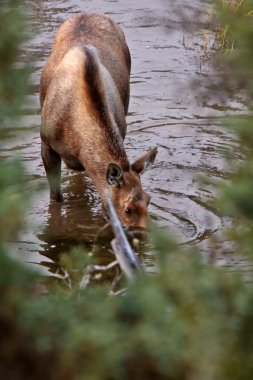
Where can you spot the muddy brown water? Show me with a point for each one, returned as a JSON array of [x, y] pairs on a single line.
[[164, 111]]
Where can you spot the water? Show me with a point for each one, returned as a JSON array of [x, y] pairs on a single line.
[[164, 111]]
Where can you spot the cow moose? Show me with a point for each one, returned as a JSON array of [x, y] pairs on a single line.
[[84, 95]]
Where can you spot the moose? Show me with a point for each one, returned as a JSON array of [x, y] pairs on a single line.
[[84, 95]]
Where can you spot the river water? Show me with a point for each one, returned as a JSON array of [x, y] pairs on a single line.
[[164, 111]]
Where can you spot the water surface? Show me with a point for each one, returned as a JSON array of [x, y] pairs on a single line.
[[164, 111]]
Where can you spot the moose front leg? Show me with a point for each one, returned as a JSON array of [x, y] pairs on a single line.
[[52, 164]]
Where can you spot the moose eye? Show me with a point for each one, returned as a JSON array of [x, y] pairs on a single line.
[[129, 211]]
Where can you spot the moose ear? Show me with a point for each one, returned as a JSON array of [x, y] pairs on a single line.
[[145, 162], [114, 175]]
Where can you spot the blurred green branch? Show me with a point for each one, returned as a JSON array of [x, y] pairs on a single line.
[[13, 73]]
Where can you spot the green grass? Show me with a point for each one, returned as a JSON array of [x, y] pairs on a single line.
[[227, 9]]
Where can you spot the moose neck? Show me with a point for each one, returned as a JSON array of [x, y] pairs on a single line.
[[97, 121], [100, 148], [107, 125]]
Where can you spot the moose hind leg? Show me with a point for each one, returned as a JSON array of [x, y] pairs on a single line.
[[52, 164]]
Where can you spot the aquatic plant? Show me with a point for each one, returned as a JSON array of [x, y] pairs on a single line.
[[231, 10]]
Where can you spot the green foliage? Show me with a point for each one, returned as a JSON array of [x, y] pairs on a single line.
[[235, 33], [12, 201], [189, 321], [13, 76], [232, 10], [13, 84], [236, 197]]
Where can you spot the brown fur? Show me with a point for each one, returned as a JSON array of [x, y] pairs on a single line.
[[84, 93]]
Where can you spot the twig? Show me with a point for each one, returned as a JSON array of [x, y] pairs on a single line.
[[101, 268]]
